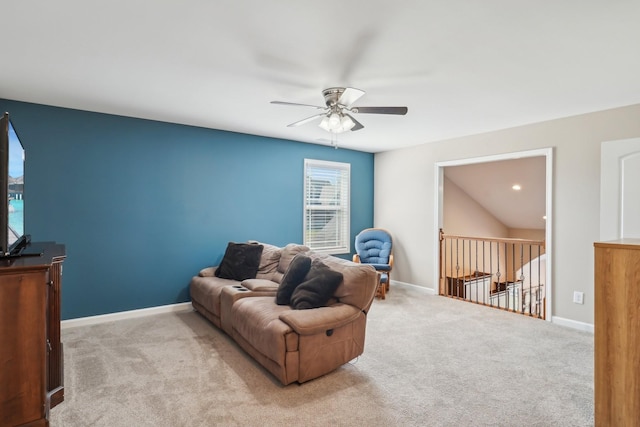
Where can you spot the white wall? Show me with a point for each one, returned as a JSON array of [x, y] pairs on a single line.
[[405, 196], [526, 233], [464, 216]]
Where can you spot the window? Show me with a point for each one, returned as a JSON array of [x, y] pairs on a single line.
[[326, 206]]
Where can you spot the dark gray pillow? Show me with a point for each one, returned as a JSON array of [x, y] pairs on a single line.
[[295, 274], [318, 287], [240, 261]]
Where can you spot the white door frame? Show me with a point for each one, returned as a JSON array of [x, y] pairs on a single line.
[[439, 191]]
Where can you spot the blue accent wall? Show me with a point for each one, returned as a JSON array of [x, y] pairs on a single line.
[[142, 205]]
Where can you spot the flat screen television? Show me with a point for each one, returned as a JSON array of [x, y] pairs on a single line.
[[13, 239]]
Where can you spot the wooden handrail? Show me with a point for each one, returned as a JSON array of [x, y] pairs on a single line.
[[493, 239]]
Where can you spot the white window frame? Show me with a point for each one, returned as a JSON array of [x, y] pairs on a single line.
[[338, 200]]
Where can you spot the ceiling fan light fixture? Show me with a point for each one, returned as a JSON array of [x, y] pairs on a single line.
[[334, 120], [336, 123], [324, 124], [346, 123]]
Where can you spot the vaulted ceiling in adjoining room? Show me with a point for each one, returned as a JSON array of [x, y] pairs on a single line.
[[461, 67], [491, 185]]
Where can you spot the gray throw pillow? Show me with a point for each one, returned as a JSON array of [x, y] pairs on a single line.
[[318, 287], [240, 261], [295, 274]]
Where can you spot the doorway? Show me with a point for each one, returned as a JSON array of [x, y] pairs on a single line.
[[547, 155], [619, 202]]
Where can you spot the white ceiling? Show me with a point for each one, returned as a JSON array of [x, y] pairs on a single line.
[[461, 66], [490, 185]]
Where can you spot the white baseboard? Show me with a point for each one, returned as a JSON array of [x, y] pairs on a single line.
[[429, 291], [103, 318], [186, 306], [574, 324]]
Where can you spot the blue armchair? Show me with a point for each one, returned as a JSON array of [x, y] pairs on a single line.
[[374, 246]]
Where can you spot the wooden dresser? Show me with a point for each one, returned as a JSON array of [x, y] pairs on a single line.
[[31, 364], [617, 333]]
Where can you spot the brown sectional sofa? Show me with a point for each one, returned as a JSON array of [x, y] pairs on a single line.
[[294, 345]]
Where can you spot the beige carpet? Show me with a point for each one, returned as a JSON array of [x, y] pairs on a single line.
[[428, 361]]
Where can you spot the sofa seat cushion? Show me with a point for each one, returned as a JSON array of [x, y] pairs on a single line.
[[257, 321], [206, 291], [380, 267]]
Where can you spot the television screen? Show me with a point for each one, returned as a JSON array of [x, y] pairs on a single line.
[[15, 187], [13, 239]]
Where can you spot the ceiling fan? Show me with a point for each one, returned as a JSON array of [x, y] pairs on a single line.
[[336, 117]]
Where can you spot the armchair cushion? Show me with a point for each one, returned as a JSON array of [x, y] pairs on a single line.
[[381, 267], [318, 287], [295, 274], [240, 261], [374, 245]]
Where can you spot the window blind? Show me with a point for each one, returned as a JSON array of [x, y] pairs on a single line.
[[326, 206]]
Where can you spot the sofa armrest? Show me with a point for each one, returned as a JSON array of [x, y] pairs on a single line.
[[263, 285], [319, 320], [208, 272]]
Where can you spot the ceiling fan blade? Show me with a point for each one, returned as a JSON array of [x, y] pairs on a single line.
[[349, 96], [307, 120], [297, 105], [357, 126], [381, 110]]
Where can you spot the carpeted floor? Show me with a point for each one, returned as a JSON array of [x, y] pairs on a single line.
[[428, 361]]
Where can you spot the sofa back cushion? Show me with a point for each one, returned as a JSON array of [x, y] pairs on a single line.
[[269, 261], [287, 255]]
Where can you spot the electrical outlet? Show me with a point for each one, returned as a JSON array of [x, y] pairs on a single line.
[[578, 297]]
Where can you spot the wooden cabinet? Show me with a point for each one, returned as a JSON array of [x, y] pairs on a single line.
[[55, 379], [617, 338], [30, 347]]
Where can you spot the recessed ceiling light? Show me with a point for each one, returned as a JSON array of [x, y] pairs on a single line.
[[516, 187], [544, 217]]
